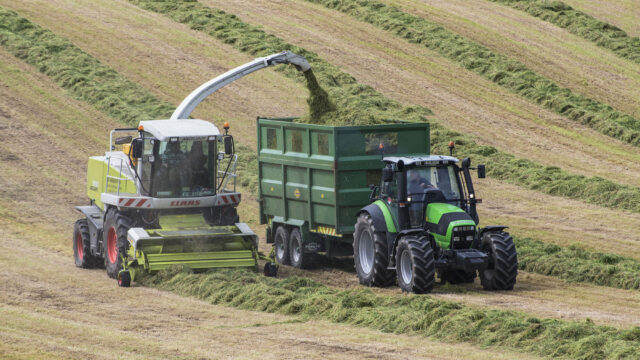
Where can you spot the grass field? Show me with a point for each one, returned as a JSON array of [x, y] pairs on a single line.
[[43, 124]]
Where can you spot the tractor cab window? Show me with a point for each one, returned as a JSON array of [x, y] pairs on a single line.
[[434, 177], [183, 168], [421, 179]]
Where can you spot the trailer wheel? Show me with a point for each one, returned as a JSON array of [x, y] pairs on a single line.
[[502, 269], [298, 257], [115, 241], [81, 251], [370, 254], [415, 265], [281, 244]]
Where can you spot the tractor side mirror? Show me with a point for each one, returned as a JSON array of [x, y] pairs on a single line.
[[374, 193], [124, 140], [482, 173], [136, 148], [387, 174], [228, 144]]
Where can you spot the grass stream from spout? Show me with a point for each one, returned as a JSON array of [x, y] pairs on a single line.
[[87, 79]]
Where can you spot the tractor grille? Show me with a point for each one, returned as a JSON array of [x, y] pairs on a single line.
[[463, 237]]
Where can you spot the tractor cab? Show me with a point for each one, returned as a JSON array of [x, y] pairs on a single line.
[[423, 220]]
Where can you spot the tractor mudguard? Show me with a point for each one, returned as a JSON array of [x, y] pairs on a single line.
[[491, 228], [380, 215]]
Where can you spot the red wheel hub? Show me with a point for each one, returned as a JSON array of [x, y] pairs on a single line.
[[79, 246], [112, 248]]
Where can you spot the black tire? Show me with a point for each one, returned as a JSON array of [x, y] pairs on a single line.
[[458, 276], [124, 278], [415, 265], [502, 269], [81, 246], [370, 254], [298, 257], [222, 215], [270, 269], [115, 241], [281, 244]]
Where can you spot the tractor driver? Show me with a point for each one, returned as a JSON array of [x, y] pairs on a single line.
[[417, 184]]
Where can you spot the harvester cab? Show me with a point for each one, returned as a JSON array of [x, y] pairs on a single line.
[[423, 220]]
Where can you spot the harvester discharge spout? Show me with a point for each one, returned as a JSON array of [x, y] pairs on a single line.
[[192, 100]]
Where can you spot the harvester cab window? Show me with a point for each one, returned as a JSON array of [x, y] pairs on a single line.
[[184, 168]]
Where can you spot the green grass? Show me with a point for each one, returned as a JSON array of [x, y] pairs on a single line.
[[506, 72], [37, 46], [360, 104], [403, 314], [575, 264], [581, 24]]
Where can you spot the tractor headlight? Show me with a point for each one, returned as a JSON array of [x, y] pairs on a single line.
[[469, 238], [408, 198], [456, 238]]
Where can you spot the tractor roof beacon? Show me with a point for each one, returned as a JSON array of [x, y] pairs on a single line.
[[423, 221], [164, 194]]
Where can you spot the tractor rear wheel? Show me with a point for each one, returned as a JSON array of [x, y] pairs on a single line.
[[458, 276], [115, 241], [370, 254], [281, 244], [81, 244], [415, 265], [298, 257], [502, 268]]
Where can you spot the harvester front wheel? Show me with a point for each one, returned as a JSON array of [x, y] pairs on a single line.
[[415, 265], [502, 269], [298, 257], [81, 251], [124, 278], [281, 243], [370, 254], [115, 241]]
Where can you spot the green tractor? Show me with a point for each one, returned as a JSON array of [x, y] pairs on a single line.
[[423, 221]]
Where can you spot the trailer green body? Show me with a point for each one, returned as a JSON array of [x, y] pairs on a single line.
[[317, 177]]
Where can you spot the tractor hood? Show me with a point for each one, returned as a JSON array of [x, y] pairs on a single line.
[[442, 218]]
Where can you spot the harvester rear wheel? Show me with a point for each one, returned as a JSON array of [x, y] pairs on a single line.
[[502, 269], [370, 254], [115, 241], [298, 257], [415, 265], [281, 243], [81, 251]]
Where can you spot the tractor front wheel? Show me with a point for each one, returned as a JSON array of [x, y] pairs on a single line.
[[415, 265], [115, 241], [370, 254], [502, 269], [81, 251]]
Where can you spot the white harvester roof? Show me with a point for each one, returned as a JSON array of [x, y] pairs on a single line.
[[422, 160], [163, 130]]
